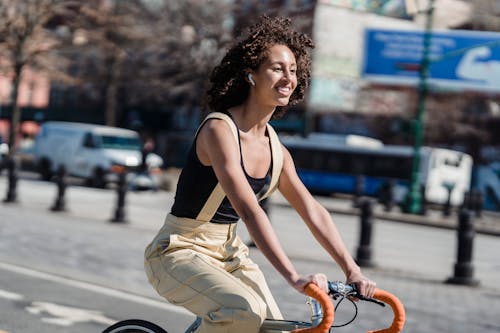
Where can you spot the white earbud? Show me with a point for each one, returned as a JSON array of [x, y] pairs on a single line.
[[252, 82]]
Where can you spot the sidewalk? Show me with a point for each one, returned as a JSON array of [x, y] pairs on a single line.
[[411, 260], [488, 223]]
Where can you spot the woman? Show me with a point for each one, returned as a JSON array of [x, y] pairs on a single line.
[[236, 160]]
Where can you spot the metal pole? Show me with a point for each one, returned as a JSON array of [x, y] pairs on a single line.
[[60, 202], [414, 198], [447, 204], [364, 252], [359, 190], [11, 196], [121, 191], [464, 269], [478, 202], [386, 194]]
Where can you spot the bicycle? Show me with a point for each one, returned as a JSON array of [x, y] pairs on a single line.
[[322, 313]]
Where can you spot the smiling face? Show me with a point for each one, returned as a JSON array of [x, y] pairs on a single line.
[[276, 78]]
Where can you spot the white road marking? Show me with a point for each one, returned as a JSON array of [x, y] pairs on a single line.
[[94, 288], [67, 316], [10, 296]]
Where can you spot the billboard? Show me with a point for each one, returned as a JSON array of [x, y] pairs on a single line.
[[463, 60], [338, 35], [392, 8]]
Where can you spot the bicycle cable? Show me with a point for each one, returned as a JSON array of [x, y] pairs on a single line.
[[354, 316]]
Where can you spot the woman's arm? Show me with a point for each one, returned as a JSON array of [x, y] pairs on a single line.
[[217, 147], [319, 221]]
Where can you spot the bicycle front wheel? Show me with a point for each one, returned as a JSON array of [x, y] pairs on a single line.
[[134, 326]]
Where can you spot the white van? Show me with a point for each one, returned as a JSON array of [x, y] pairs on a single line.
[[89, 151]]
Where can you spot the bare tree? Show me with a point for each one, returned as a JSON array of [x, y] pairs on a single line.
[[188, 41], [150, 53], [109, 33], [27, 41]]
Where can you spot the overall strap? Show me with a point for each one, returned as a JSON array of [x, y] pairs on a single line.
[[277, 160], [215, 199], [217, 196], [223, 116]]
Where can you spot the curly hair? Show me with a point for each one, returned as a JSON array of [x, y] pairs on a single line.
[[228, 85]]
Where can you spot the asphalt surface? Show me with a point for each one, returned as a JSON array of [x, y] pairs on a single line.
[[412, 255]]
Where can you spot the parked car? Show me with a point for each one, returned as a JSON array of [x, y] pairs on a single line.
[[93, 152]]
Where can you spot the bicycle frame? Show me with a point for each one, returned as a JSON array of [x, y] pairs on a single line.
[[322, 314], [269, 325]]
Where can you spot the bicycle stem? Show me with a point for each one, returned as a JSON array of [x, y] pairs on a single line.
[[316, 311]]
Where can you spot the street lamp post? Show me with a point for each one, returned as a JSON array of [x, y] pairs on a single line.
[[414, 197]]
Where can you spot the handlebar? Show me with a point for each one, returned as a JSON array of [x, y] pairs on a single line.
[[397, 308], [339, 288], [315, 292]]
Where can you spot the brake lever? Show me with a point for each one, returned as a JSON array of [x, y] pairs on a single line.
[[369, 299], [352, 292], [355, 293]]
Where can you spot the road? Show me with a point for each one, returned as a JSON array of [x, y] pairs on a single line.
[[44, 302], [75, 271]]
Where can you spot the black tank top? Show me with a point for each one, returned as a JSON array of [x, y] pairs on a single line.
[[196, 183]]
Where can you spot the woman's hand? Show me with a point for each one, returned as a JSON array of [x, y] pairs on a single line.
[[365, 286], [302, 281]]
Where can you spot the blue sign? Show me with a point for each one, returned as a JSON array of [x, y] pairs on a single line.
[[458, 59]]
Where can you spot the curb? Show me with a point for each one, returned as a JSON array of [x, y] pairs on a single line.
[[435, 222]]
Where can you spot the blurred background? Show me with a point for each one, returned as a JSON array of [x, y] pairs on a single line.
[[411, 73], [403, 108]]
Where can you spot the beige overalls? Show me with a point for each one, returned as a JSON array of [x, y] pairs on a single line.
[[204, 266]]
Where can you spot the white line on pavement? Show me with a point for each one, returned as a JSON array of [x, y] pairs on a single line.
[[10, 296], [92, 287]]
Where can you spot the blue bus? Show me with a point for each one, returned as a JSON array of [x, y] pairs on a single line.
[[487, 180], [334, 164]]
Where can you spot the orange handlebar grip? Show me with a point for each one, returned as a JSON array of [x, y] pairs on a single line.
[[315, 292], [397, 308]]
